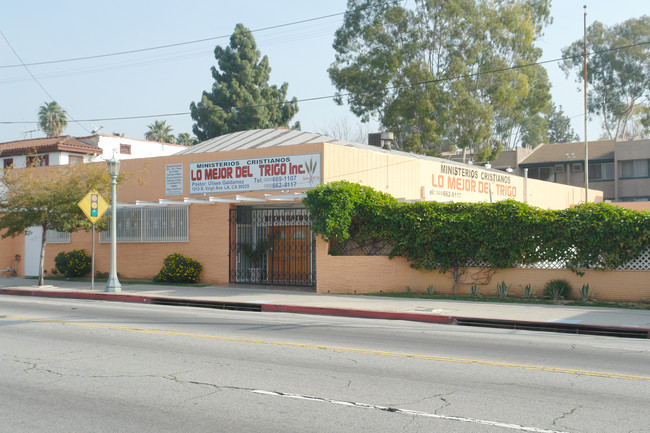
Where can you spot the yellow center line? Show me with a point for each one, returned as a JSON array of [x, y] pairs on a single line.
[[342, 349]]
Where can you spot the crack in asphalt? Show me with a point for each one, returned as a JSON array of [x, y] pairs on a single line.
[[390, 409], [444, 400], [31, 366], [564, 415], [411, 414]]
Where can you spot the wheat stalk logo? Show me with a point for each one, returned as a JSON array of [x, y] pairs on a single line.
[[311, 167]]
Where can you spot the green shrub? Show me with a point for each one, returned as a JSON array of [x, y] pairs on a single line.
[[585, 294], [527, 291], [453, 236], [178, 268], [558, 289], [502, 289], [74, 263]]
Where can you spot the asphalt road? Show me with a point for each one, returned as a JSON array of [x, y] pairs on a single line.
[[89, 366]]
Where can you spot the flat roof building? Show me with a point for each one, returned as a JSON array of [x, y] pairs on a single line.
[[620, 169], [220, 200]]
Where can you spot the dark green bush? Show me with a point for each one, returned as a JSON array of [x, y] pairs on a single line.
[[178, 268], [74, 263], [451, 236], [558, 289]]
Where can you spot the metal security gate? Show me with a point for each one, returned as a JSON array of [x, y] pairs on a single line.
[[272, 246]]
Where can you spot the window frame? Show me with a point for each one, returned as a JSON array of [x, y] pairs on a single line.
[[150, 224], [57, 237], [538, 170], [604, 167], [634, 174], [78, 159], [44, 160]]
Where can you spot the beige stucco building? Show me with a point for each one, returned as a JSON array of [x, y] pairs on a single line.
[[222, 199], [620, 169]]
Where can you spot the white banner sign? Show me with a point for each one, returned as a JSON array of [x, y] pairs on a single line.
[[256, 174], [450, 182], [174, 179]]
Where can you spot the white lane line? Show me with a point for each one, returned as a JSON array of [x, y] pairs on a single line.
[[408, 412]]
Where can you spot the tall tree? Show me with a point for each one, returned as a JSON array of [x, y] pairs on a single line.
[[618, 71], [559, 127], [160, 131], [186, 139], [549, 126], [48, 197], [442, 74], [241, 97], [52, 119]]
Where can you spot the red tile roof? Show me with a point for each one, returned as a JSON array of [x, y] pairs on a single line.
[[47, 144]]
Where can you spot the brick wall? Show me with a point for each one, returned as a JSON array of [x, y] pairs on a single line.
[[208, 244], [371, 274]]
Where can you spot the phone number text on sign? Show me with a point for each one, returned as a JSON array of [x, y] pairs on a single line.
[[255, 174]]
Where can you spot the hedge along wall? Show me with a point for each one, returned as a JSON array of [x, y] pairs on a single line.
[[431, 236]]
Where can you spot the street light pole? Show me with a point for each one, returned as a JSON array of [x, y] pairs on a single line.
[[113, 284]]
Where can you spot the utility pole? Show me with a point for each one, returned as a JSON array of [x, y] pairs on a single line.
[[585, 92]]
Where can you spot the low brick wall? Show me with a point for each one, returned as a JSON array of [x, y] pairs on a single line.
[[208, 244], [371, 274]]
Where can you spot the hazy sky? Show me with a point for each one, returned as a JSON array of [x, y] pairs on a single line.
[[165, 81]]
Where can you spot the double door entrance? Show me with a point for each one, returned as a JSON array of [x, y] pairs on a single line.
[[271, 246]]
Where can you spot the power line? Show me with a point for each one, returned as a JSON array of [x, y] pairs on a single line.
[[509, 68], [317, 98], [35, 79], [177, 44]]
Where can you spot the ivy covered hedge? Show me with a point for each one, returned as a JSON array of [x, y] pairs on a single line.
[[448, 236]]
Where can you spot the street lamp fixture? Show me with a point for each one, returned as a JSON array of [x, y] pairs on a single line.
[[113, 284]]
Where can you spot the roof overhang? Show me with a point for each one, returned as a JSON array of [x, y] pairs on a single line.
[[268, 198]]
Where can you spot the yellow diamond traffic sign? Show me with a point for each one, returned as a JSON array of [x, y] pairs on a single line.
[[93, 205]]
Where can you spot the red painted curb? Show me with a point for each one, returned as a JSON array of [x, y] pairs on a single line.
[[78, 295], [346, 312], [343, 312]]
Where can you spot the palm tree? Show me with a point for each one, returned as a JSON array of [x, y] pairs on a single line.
[[52, 119], [186, 139], [160, 131]]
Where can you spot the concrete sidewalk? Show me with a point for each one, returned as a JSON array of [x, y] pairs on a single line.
[[592, 320]]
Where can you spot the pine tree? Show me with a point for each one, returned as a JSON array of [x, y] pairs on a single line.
[[241, 97]]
